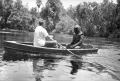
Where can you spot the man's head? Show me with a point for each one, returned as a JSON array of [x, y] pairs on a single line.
[[77, 29], [41, 22]]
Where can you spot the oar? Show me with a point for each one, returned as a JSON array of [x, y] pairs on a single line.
[[70, 51], [66, 49]]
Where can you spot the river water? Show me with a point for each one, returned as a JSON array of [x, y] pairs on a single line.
[[101, 66]]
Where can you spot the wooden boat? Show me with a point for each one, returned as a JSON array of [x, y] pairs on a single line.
[[28, 47]]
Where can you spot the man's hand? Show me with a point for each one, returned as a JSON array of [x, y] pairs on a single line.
[[51, 36], [63, 47], [55, 41], [72, 46]]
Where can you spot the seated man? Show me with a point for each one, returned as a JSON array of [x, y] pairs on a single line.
[[40, 36], [77, 38]]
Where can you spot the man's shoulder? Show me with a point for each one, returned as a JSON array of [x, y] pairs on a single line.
[[39, 28]]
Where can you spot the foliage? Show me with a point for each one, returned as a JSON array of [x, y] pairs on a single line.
[[16, 16], [50, 13], [20, 16], [65, 25], [5, 11], [96, 19], [34, 17], [57, 19], [71, 12]]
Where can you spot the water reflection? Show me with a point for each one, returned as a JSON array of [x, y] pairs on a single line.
[[79, 64], [15, 56], [21, 55], [58, 69], [103, 66], [75, 66], [39, 65]]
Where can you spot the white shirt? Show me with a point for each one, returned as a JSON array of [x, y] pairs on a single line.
[[39, 36]]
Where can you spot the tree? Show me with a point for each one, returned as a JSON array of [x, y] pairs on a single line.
[[34, 14], [6, 9], [65, 25], [105, 1], [38, 2], [71, 12], [18, 4], [51, 13], [118, 1], [20, 17]]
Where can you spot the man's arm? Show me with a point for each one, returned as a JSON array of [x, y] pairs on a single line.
[[50, 37], [76, 44], [73, 39], [47, 36], [79, 41]]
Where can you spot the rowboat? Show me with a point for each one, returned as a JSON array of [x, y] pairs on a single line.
[[28, 47]]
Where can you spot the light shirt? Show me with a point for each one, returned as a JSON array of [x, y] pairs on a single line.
[[40, 35]]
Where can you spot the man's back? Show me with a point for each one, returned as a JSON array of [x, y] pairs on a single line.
[[39, 36]]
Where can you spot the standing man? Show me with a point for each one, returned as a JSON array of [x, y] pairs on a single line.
[[40, 36]]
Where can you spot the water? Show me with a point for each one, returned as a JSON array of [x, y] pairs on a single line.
[[101, 66]]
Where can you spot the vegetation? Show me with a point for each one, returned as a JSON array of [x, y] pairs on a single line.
[[56, 17], [96, 19], [15, 15]]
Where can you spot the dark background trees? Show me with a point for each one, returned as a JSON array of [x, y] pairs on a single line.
[[96, 19]]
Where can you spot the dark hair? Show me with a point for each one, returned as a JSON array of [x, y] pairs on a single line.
[[76, 30], [41, 23]]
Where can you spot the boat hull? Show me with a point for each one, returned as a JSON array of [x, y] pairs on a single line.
[[28, 47]]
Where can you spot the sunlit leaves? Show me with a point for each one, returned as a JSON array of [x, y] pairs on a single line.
[[18, 4]]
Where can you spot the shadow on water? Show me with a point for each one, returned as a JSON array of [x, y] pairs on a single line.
[[91, 68], [22, 56], [11, 56], [77, 65]]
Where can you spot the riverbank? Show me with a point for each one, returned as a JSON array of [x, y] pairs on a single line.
[[10, 31]]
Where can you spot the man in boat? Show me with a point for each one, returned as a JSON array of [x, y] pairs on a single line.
[[77, 40], [41, 35]]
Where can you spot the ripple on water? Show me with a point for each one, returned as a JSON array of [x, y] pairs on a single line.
[[55, 70], [103, 66]]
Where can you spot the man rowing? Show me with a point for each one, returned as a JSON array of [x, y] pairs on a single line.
[[41, 35]]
